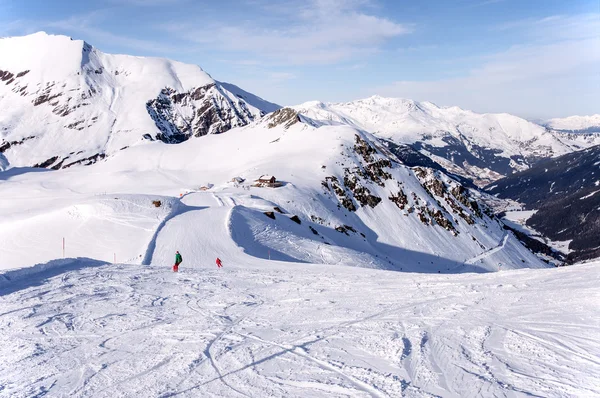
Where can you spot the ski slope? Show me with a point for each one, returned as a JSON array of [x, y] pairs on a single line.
[[260, 327], [266, 328]]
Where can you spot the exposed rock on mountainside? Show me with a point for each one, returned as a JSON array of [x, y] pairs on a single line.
[[203, 110], [444, 196], [286, 117]]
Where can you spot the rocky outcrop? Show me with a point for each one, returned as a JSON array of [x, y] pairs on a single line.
[[456, 197], [5, 145], [399, 199], [201, 111], [285, 117]]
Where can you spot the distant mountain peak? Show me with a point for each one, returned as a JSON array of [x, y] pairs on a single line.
[[577, 124], [481, 147]]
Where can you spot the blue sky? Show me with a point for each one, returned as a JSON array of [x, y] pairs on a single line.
[[533, 58]]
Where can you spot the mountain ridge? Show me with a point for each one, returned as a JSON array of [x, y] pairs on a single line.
[[575, 124], [482, 147]]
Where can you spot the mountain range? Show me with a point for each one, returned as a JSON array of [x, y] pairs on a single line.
[[480, 147], [404, 176], [575, 124]]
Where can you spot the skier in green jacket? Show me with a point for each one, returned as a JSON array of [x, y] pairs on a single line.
[[178, 260]]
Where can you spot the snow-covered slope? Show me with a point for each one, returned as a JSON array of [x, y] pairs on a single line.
[[274, 329], [65, 102], [355, 204], [483, 147], [576, 124]]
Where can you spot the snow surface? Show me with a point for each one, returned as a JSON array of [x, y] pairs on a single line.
[[309, 308], [260, 328], [291, 314]]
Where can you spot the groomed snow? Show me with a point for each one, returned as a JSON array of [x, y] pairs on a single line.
[[284, 329]]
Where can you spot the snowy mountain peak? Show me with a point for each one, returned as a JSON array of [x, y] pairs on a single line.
[[73, 104], [579, 124], [38, 51], [57, 57]]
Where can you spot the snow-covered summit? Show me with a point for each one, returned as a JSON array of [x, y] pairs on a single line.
[[57, 57], [65, 102]]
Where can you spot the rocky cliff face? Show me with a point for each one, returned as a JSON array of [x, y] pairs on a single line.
[[427, 195], [209, 109]]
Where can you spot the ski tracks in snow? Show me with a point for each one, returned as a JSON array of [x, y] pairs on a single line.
[[488, 253], [299, 330]]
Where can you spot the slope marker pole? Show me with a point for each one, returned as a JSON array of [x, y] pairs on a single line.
[[63, 247]]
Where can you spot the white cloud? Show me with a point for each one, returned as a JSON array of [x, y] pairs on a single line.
[[278, 77], [556, 27], [145, 3], [320, 31], [556, 77]]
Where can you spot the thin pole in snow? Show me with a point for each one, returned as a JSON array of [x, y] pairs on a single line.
[[269, 254], [63, 247]]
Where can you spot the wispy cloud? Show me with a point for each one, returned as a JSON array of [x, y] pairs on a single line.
[[17, 26], [316, 32], [357, 66], [555, 27], [415, 49], [544, 77], [146, 3], [279, 77]]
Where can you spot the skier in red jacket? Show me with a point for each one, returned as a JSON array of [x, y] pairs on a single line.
[[219, 263]]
